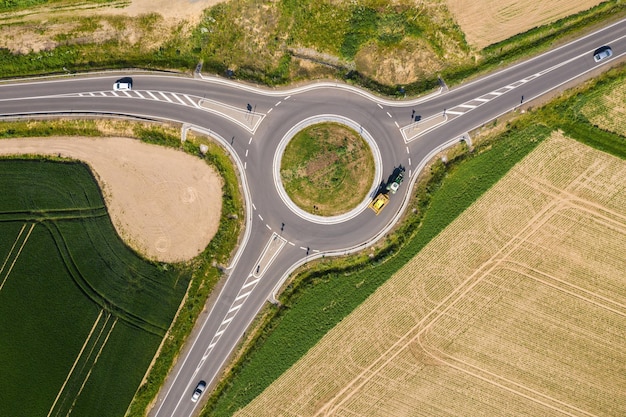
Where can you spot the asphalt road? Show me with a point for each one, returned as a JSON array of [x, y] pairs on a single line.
[[277, 238]]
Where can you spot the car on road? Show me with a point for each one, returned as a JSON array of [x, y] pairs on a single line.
[[395, 184], [123, 84], [602, 53], [198, 391]]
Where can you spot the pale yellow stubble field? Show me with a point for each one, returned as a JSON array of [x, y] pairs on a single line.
[[485, 22], [522, 313]]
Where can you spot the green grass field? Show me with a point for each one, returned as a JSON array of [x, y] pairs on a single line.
[[81, 314]]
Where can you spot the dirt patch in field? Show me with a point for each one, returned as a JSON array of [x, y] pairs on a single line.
[[398, 64], [189, 10], [177, 10], [164, 203], [489, 21]]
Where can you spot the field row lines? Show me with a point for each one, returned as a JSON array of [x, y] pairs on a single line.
[[493, 379], [93, 341], [560, 285], [501, 381], [17, 255], [440, 310], [597, 210]]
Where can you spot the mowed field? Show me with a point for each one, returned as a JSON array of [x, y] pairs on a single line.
[[81, 316], [489, 21], [523, 313]]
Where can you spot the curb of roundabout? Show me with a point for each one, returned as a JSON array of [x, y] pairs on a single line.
[[281, 149]]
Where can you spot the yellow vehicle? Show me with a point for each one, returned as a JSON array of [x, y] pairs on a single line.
[[379, 203]]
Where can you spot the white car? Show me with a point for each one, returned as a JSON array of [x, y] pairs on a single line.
[[602, 53], [123, 85], [198, 391]]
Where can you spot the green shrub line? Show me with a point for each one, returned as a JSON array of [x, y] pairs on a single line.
[[320, 295], [205, 268]]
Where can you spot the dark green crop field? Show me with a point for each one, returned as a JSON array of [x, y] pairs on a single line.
[[81, 315]]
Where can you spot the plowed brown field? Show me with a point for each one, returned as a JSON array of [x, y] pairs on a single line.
[[517, 308]]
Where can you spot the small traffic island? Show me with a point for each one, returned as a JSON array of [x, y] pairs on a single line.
[[327, 169]]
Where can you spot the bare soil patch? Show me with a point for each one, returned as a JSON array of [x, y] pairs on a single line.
[[164, 203], [489, 21], [189, 10], [517, 308]]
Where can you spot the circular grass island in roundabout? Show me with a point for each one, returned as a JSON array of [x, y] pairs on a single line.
[[327, 169]]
